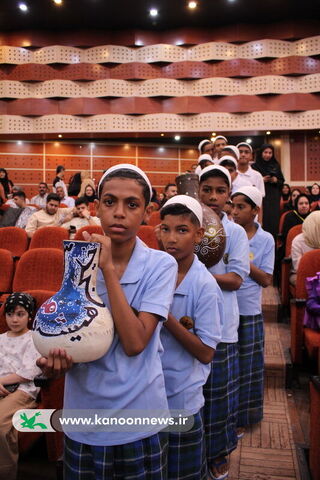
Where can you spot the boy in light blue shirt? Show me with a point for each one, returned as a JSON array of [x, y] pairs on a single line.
[[222, 388], [246, 205], [190, 335]]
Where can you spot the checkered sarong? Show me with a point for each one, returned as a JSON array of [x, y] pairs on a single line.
[[221, 394], [187, 453], [251, 342], [140, 460]]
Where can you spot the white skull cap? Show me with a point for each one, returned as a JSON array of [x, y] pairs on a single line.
[[203, 142], [252, 192], [234, 149], [205, 156], [216, 167], [245, 144], [230, 158], [127, 166], [189, 202], [218, 137]]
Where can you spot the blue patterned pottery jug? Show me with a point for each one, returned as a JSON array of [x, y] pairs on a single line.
[[75, 318]]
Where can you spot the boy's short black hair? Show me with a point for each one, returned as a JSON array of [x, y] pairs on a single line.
[[59, 168], [246, 199], [169, 185], [178, 209], [20, 194], [214, 173], [80, 201], [126, 173], [228, 163], [53, 196]]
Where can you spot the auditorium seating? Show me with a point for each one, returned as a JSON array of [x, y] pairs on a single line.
[[286, 266], [90, 229], [49, 237], [15, 240], [147, 235], [309, 265], [6, 271], [154, 219]]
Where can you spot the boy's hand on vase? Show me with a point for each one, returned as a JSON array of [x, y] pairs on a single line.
[[3, 391], [105, 257], [57, 363]]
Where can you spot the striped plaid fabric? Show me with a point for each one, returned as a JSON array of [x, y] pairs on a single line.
[[187, 453], [141, 460], [251, 366], [221, 394]]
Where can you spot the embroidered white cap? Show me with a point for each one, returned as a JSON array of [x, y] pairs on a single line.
[[205, 156], [219, 137], [234, 149], [211, 168], [230, 158], [244, 144], [127, 166], [203, 142], [251, 192], [189, 202]]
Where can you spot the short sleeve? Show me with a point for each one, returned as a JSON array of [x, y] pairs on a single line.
[[238, 255], [158, 295], [267, 263], [209, 314], [28, 368]]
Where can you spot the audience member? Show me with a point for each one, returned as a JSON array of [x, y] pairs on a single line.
[[295, 192], [40, 200], [74, 185], [218, 143], [85, 181], [231, 164], [20, 200], [306, 241], [314, 193], [231, 150], [246, 171], [5, 182], [296, 216], [68, 201], [81, 216], [60, 172], [51, 216], [2, 195], [205, 146], [90, 194], [285, 192], [169, 191]]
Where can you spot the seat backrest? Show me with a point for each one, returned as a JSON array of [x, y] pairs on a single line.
[[6, 270], [309, 265], [39, 269], [281, 221], [293, 232], [90, 229], [14, 239], [147, 235], [154, 218], [49, 237]]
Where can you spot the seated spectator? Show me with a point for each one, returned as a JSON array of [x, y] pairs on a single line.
[[20, 200], [40, 200], [60, 171], [51, 216], [11, 202], [74, 185], [85, 181], [5, 182], [295, 192], [314, 193], [90, 194], [2, 195], [306, 241], [80, 217], [285, 192], [296, 216], [68, 201], [9, 217], [170, 190]]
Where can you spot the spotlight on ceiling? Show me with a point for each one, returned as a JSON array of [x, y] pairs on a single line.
[[153, 12], [23, 7], [177, 138], [268, 132], [192, 5], [57, 2], [60, 136], [249, 140]]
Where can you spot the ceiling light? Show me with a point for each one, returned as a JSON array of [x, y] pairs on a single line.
[[213, 134], [177, 138], [268, 132], [19, 142], [23, 7], [249, 140], [153, 12], [162, 134], [192, 5], [60, 136], [57, 2]]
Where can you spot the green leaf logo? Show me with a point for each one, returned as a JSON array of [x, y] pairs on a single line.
[[30, 422]]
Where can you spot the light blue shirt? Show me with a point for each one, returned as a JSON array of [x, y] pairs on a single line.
[[198, 296], [117, 381], [261, 254], [236, 260]]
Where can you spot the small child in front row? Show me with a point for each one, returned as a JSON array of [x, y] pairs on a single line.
[[137, 285], [17, 366], [188, 348], [246, 204], [222, 388]]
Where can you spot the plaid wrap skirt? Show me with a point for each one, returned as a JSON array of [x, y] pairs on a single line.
[[251, 366], [221, 393], [187, 453], [144, 459]]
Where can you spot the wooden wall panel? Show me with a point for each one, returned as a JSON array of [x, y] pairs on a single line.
[[313, 156], [297, 157]]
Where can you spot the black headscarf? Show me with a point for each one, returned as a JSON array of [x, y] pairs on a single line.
[[270, 167], [286, 196], [6, 183], [23, 299], [314, 198], [74, 185]]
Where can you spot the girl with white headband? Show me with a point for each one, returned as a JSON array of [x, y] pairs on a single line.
[[247, 202], [137, 285]]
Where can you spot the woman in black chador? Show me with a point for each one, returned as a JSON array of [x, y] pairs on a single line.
[[273, 179]]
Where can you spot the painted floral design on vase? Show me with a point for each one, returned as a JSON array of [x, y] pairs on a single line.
[[75, 318], [211, 248]]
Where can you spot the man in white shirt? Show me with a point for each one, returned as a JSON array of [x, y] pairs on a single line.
[[81, 216], [51, 216], [68, 201], [245, 170], [40, 200]]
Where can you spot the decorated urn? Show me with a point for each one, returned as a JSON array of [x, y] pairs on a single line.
[[75, 318], [212, 246]]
